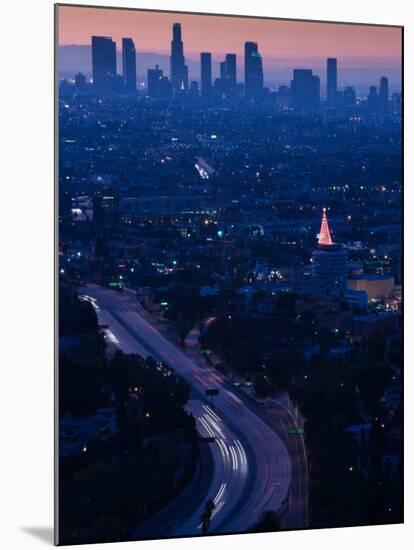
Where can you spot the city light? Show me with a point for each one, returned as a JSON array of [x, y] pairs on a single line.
[[234, 235]]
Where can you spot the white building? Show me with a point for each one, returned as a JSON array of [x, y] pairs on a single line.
[[329, 264]]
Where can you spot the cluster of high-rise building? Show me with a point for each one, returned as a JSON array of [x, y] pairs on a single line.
[[107, 80], [347, 97], [304, 90], [224, 85], [379, 99], [104, 67]]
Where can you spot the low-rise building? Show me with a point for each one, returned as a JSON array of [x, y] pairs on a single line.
[[375, 285]]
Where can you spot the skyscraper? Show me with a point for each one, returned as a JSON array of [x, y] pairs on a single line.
[[329, 264], [194, 89], [253, 70], [165, 88], [179, 70], [349, 97], [331, 81], [249, 49], [305, 88], [103, 61], [206, 79], [383, 95], [231, 69], [153, 78], [373, 99], [223, 70], [129, 64], [227, 83], [159, 86]]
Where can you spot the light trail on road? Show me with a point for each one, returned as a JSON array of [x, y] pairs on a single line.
[[249, 458]]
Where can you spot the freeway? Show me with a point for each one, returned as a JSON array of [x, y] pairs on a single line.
[[252, 469], [283, 417]]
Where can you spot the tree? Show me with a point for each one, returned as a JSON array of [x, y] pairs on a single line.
[[279, 369], [261, 387], [76, 317], [287, 305], [79, 388], [206, 516]]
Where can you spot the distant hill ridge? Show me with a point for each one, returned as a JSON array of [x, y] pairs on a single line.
[[78, 58]]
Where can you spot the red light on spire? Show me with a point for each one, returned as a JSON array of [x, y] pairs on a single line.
[[324, 236]]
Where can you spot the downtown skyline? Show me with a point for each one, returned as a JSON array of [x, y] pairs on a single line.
[[364, 53], [305, 86]]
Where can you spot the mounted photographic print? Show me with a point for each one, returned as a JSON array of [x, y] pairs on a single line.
[[229, 274]]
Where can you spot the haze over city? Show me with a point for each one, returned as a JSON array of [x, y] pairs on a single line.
[[365, 52]]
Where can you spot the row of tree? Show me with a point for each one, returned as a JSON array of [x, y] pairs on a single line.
[[350, 481], [124, 475]]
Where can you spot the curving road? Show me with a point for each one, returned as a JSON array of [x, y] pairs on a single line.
[[282, 416], [252, 467]]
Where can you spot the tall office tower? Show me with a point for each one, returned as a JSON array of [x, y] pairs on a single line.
[[373, 99], [283, 96], [103, 62], [329, 264], [383, 94], [315, 90], [206, 79], [194, 89], [179, 70], [165, 88], [154, 77], [305, 89], [349, 97], [159, 86], [231, 69], [227, 83], [331, 81], [249, 49], [129, 64], [253, 70]]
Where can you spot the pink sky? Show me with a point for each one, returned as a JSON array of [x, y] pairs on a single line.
[[151, 32]]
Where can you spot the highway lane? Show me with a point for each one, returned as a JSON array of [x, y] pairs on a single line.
[[228, 466], [230, 472], [252, 467], [282, 416]]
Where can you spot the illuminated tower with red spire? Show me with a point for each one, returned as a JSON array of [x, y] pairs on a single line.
[[329, 264], [324, 237]]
